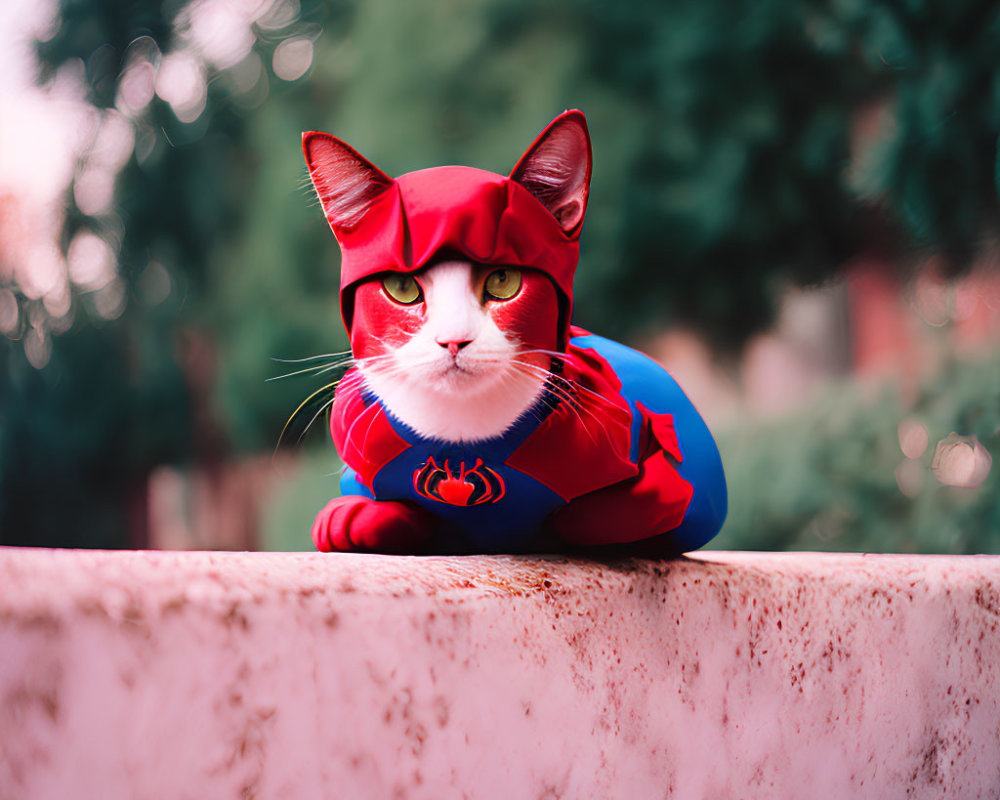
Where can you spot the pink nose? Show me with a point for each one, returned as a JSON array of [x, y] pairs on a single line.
[[454, 346]]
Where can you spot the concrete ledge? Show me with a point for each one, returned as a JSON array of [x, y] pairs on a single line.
[[200, 675]]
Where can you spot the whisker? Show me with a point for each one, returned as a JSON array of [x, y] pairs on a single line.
[[543, 399], [350, 431], [327, 404], [318, 369], [563, 389], [597, 396], [350, 380], [311, 358], [368, 432], [302, 405]]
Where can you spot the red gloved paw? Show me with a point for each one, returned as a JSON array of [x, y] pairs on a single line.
[[352, 523]]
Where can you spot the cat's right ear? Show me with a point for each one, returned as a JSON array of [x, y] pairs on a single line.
[[345, 181]]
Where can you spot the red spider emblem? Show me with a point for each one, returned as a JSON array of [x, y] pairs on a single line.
[[470, 487]]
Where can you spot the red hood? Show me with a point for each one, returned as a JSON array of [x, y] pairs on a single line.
[[459, 212]]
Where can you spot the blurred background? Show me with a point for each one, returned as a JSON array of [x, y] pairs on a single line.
[[794, 207]]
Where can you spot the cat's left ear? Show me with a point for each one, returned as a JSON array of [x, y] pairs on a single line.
[[556, 169]]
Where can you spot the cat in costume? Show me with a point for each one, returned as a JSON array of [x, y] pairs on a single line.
[[476, 417]]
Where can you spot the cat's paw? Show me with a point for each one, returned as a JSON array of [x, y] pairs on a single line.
[[353, 523]]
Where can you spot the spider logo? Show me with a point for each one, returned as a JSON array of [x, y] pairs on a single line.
[[467, 487]]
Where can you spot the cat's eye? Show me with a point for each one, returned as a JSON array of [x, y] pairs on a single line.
[[402, 288], [502, 284]]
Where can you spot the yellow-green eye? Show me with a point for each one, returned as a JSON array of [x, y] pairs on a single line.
[[503, 284], [402, 288]]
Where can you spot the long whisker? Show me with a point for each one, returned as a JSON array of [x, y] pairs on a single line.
[[580, 397], [311, 358], [302, 405], [368, 432], [543, 398], [373, 361], [564, 390], [559, 354], [597, 396], [561, 390], [322, 408], [318, 369], [350, 431], [345, 381]]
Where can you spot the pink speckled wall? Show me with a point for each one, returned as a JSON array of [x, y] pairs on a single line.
[[195, 675]]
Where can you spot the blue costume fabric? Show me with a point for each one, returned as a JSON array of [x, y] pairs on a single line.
[[499, 494]]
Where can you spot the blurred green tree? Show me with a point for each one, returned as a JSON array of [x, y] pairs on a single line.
[[129, 389], [79, 437], [933, 165], [731, 160]]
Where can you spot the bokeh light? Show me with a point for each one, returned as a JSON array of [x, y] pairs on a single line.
[[91, 261], [181, 82], [961, 461], [292, 58], [913, 438]]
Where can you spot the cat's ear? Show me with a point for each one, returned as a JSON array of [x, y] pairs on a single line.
[[556, 169], [346, 182]]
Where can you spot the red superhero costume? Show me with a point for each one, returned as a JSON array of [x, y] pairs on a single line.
[[613, 451]]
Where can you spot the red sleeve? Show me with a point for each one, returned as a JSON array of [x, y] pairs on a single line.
[[361, 432], [653, 502]]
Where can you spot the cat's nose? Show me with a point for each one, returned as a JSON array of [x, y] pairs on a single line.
[[454, 346]]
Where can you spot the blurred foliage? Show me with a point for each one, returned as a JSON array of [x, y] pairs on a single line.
[[825, 478], [77, 438], [939, 79], [285, 521], [728, 165]]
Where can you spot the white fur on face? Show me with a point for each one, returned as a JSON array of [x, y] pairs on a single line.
[[457, 378]]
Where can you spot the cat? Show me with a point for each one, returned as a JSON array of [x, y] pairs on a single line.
[[476, 417]]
